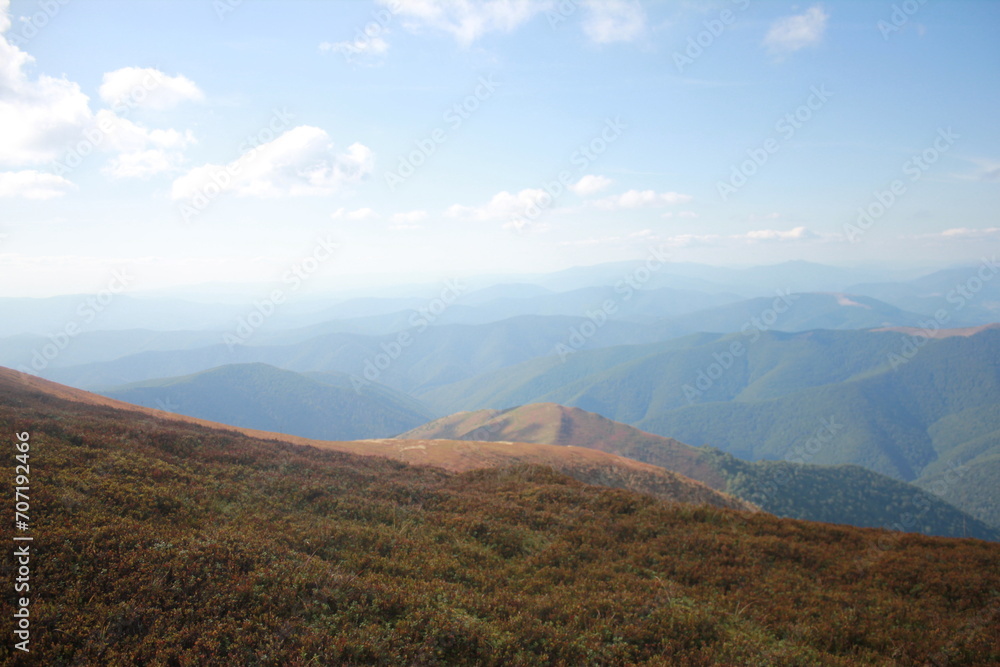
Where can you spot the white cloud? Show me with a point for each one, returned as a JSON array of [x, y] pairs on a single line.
[[46, 119], [147, 87], [125, 136], [362, 214], [754, 237], [505, 206], [524, 226], [407, 220], [795, 234], [300, 162], [965, 233], [643, 235], [987, 170], [590, 185], [141, 164], [372, 49], [610, 21], [681, 214], [795, 32], [39, 116], [466, 20], [14, 59], [693, 240], [142, 152], [32, 184], [639, 198], [357, 214], [355, 164]]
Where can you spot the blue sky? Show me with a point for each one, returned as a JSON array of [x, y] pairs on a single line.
[[220, 140]]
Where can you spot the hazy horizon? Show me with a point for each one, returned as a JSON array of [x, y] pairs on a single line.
[[361, 285]]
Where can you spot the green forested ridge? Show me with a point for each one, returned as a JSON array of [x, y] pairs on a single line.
[[908, 407], [847, 494]]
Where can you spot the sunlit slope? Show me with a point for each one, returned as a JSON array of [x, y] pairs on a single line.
[[839, 494], [589, 466], [160, 540]]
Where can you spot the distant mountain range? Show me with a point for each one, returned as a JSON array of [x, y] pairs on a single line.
[[675, 290], [442, 353], [917, 409]]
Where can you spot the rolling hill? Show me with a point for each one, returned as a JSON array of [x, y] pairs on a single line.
[[586, 465], [161, 540], [323, 406], [552, 424], [837, 494]]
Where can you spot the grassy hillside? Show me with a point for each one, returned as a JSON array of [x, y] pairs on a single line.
[[172, 543], [837, 494], [586, 465], [552, 424], [263, 397]]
